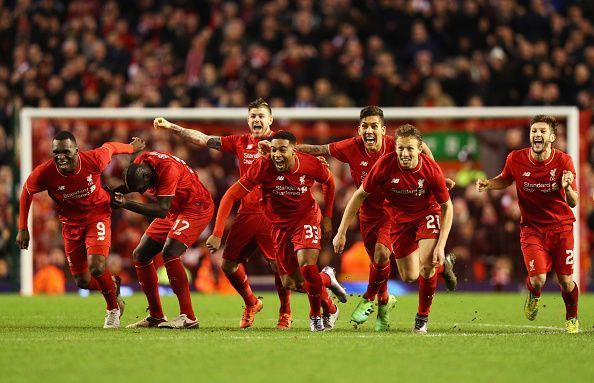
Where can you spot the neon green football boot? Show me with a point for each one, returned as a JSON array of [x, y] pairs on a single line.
[[382, 322], [362, 311], [572, 325], [531, 306]]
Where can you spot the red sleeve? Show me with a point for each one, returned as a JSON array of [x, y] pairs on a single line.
[[118, 148], [168, 176], [234, 194], [253, 176], [35, 183], [341, 149], [24, 206], [372, 183], [229, 143], [569, 166], [438, 185], [507, 171], [102, 155]]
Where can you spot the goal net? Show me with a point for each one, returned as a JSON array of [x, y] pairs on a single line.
[[468, 143]]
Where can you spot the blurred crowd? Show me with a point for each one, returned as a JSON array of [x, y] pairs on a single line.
[[304, 53]]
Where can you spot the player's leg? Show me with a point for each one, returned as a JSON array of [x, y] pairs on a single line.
[[308, 263], [538, 263], [264, 240], [240, 243], [185, 231], [147, 276], [563, 259], [427, 283]]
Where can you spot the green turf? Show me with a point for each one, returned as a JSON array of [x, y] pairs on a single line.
[[473, 338]]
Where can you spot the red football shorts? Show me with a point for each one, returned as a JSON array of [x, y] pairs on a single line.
[[543, 249], [405, 237], [248, 232], [375, 231], [83, 240], [184, 227], [304, 234]]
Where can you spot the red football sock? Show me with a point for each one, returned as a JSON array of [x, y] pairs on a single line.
[[239, 281], [441, 269], [532, 289], [328, 305], [326, 281], [313, 286], [383, 295], [93, 284], [378, 275], [178, 279], [571, 302], [284, 295], [108, 289], [147, 277], [427, 287]]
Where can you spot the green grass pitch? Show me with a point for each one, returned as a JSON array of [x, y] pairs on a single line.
[[473, 338]]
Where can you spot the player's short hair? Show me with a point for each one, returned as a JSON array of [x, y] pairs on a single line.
[[134, 175], [408, 130], [549, 120], [259, 103], [372, 110], [64, 135], [284, 135]]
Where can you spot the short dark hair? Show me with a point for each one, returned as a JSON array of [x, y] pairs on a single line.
[[549, 120], [259, 103], [64, 135], [284, 135], [134, 174], [408, 130], [372, 110]]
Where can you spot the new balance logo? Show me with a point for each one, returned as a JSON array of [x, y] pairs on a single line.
[[62, 187], [280, 178], [249, 146], [395, 180], [363, 163], [526, 174]]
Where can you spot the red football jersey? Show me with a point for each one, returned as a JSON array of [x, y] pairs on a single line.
[[352, 151], [538, 183], [79, 196], [286, 196], [411, 194], [245, 148], [175, 178]]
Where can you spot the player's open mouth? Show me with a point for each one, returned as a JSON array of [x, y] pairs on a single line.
[[279, 163], [405, 161], [257, 128], [62, 163], [537, 141], [370, 139]]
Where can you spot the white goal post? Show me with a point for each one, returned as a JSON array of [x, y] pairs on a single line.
[[240, 114]]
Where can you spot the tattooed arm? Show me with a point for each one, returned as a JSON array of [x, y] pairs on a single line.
[[195, 137]]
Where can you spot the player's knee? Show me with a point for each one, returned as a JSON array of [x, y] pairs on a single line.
[[538, 282], [97, 269], [381, 256], [139, 256], [566, 285], [229, 267], [427, 271], [410, 278]]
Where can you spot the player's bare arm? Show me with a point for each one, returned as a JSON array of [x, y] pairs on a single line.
[[195, 137], [447, 217], [571, 196], [349, 214], [157, 209], [314, 150], [496, 183]]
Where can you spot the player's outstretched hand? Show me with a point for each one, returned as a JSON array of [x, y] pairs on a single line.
[[161, 123], [213, 243], [438, 256], [567, 179], [118, 200], [138, 144], [482, 185], [450, 183], [327, 229], [22, 239], [339, 241], [264, 147]]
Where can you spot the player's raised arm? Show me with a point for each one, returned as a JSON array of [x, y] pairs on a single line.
[[195, 137], [137, 145], [349, 213], [235, 193], [571, 196], [496, 183], [314, 150]]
